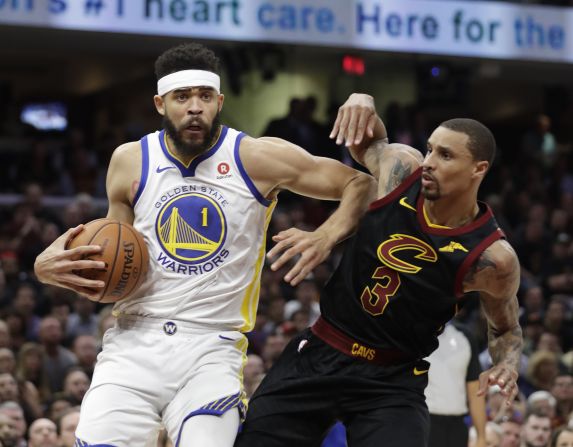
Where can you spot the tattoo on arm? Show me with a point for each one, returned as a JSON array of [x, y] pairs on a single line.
[[505, 340], [481, 264], [506, 347], [398, 173]]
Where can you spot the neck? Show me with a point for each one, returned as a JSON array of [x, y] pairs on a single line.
[[451, 213]]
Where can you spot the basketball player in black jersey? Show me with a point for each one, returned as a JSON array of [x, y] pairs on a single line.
[[425, 245]]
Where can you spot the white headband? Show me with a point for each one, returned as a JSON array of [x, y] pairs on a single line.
[[188, 78]]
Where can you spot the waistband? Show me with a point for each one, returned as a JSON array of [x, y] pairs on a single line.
[[165, 325], [353, 348]]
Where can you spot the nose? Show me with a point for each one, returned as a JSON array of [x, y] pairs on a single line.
[[195, 106], [428, 163]]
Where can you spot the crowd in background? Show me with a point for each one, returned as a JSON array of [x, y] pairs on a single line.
[[49, 337]]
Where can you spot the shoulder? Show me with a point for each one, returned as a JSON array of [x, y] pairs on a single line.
[[502, 254], [407, 153], [124, 171], [266, 146], [266, 156], [127, 152], [496, 271]]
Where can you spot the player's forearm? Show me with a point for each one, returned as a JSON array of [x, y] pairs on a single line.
[[476, 406], [506, 346], [368, 152], [357, 195]]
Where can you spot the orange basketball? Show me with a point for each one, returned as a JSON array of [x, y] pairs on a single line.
[[124, 252]]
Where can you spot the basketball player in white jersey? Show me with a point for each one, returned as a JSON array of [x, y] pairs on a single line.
[[202, 195]]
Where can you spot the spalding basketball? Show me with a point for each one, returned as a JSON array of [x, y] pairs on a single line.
[[124, 253]]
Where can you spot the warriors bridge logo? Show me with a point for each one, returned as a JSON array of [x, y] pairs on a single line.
[[191, 229]]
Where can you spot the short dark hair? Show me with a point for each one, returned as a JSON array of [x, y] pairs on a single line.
[[537, 412], [187, 56], [558, 432], [481, 141]]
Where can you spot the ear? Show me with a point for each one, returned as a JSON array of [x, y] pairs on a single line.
[[159, 104], [220, 101], [480, 169]]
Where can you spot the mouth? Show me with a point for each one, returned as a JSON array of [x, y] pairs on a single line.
[[427, 179], [193, 128]]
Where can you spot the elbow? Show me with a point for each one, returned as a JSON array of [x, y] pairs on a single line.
[[367, 185]]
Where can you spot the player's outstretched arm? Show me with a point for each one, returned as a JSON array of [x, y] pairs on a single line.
[[359, 127], [496, 276], [276, 164]]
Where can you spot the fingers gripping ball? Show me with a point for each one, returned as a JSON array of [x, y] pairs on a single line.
[[124, 253]]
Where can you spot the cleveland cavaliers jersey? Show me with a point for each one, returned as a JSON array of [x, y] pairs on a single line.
[[401, 278], [205, 228]]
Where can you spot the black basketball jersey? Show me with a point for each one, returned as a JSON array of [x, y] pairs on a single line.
[[400, 278]]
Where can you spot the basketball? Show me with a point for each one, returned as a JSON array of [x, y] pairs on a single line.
[[124, 253]]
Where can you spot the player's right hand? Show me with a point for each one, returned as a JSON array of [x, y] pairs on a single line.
[[355, 120], [57, 266]]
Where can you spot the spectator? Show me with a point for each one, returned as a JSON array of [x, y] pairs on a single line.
[[562, 390], [67, 424], [14, 411], [57, 359], [5, 341], [254, 369], [57, 405], [493, 435], [542, 369], [43, 433], [563, 437], [24, 305], [30, 368], [542, 402], [7, 361], [83, 321], [85, 349], [536, 430], [76, 384], [306, 298], [511, 433], [273, 348], [8, 431]]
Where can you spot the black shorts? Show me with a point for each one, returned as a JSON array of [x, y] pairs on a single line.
[[447, 431], [312, 385]]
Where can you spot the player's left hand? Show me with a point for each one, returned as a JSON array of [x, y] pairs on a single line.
[[502, 375], [312, 246]]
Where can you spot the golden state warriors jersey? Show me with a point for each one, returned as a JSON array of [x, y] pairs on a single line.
[[205, 227]]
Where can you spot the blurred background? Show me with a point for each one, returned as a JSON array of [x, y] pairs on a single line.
[[76, 81]]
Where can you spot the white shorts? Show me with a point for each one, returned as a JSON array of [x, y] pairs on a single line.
[[153, 373]]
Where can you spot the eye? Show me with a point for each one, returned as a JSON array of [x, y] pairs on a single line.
[[206, 96], [446, 155], [181, 97]]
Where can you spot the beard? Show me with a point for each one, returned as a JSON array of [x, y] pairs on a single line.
[[434, 193], [431, 195], [187, 148]]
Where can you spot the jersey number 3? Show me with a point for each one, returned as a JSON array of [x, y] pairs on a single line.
[[376, 299]]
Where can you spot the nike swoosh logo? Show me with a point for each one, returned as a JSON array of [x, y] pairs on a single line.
[[159, 170], [418, 372], [406, 204]]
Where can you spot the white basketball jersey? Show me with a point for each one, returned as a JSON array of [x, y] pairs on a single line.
[[205, 227]]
